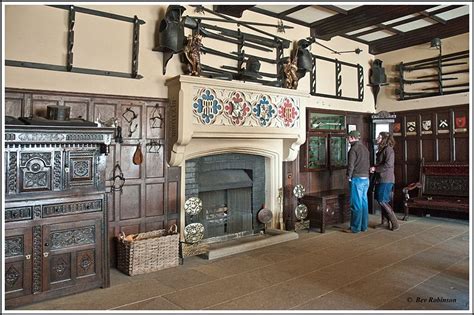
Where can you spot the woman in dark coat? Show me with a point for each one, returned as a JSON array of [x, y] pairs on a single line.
[[385, 177]]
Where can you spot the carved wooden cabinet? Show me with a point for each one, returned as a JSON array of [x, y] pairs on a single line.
[[55, 211]]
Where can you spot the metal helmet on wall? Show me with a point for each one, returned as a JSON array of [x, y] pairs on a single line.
[[171, 32], [377, 73], [305, 60]]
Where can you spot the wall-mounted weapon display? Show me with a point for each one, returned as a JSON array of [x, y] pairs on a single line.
[[70, 67], [440, 80], [338, 94], [242, 65]]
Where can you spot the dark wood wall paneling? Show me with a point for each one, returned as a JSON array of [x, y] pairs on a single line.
[[320, 180], [443, 144], [150, 196]]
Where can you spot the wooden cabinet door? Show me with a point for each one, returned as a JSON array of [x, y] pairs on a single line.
[[72, 254], [18, 262]]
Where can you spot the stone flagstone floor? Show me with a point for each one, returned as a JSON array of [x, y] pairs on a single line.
[[423, 266]]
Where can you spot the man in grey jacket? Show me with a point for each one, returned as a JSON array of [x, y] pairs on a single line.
[[358, 176]]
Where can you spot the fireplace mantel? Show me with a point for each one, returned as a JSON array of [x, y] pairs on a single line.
[[210, 116], [203, 108]]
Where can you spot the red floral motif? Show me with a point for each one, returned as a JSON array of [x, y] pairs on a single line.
[[288, 113], [237, 109]]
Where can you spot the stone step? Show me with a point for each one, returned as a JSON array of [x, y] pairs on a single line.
[[247, 243]]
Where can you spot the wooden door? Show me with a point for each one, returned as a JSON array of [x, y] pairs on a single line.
[[72, 254], [18, 262]]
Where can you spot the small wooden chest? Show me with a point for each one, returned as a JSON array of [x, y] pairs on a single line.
[[327, 207]]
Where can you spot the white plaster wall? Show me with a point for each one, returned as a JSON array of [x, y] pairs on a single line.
[[38, 33], [387, 99]]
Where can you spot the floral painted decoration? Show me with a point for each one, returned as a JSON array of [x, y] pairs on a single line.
[[237, 109], [264, 111], [288, 112], [207, 107]]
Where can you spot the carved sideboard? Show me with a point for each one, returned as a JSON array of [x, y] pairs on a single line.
[[55, 211]]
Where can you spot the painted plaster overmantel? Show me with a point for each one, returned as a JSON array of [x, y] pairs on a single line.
[[226, 111]]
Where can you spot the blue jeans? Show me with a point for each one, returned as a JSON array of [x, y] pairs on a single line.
[[359, 204]]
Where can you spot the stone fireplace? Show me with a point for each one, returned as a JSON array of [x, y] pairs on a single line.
[[230, 140], [232, 189]]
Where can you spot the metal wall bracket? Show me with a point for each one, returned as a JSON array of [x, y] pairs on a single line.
[[338, 70], [69, 67]]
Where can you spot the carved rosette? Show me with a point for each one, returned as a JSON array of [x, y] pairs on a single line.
[[37, 253], [60, 267], [81, 168], [11, 276], [86, 262], [35, 170]]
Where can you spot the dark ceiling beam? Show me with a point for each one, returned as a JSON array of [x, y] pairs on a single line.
[[409, 20], [361, 17], [275, 15], [420, 36], [292, 10], [433, 17], [232, 10], [333, 8]]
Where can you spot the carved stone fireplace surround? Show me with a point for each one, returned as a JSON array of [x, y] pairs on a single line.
[[210, 116]]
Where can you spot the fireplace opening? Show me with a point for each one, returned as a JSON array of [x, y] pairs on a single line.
[[232, 190]]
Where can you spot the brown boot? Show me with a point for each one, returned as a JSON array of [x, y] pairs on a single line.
[[391, 216], [385, 221]]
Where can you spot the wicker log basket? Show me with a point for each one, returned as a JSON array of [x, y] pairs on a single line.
[[148, 252]]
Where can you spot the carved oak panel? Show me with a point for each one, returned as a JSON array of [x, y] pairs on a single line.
[[14, 276], [35, 171], [14, 246], [85, 263], [72, 237], [446, 185], [60, 267], [81, 168], [57, 209], [18, 214]]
